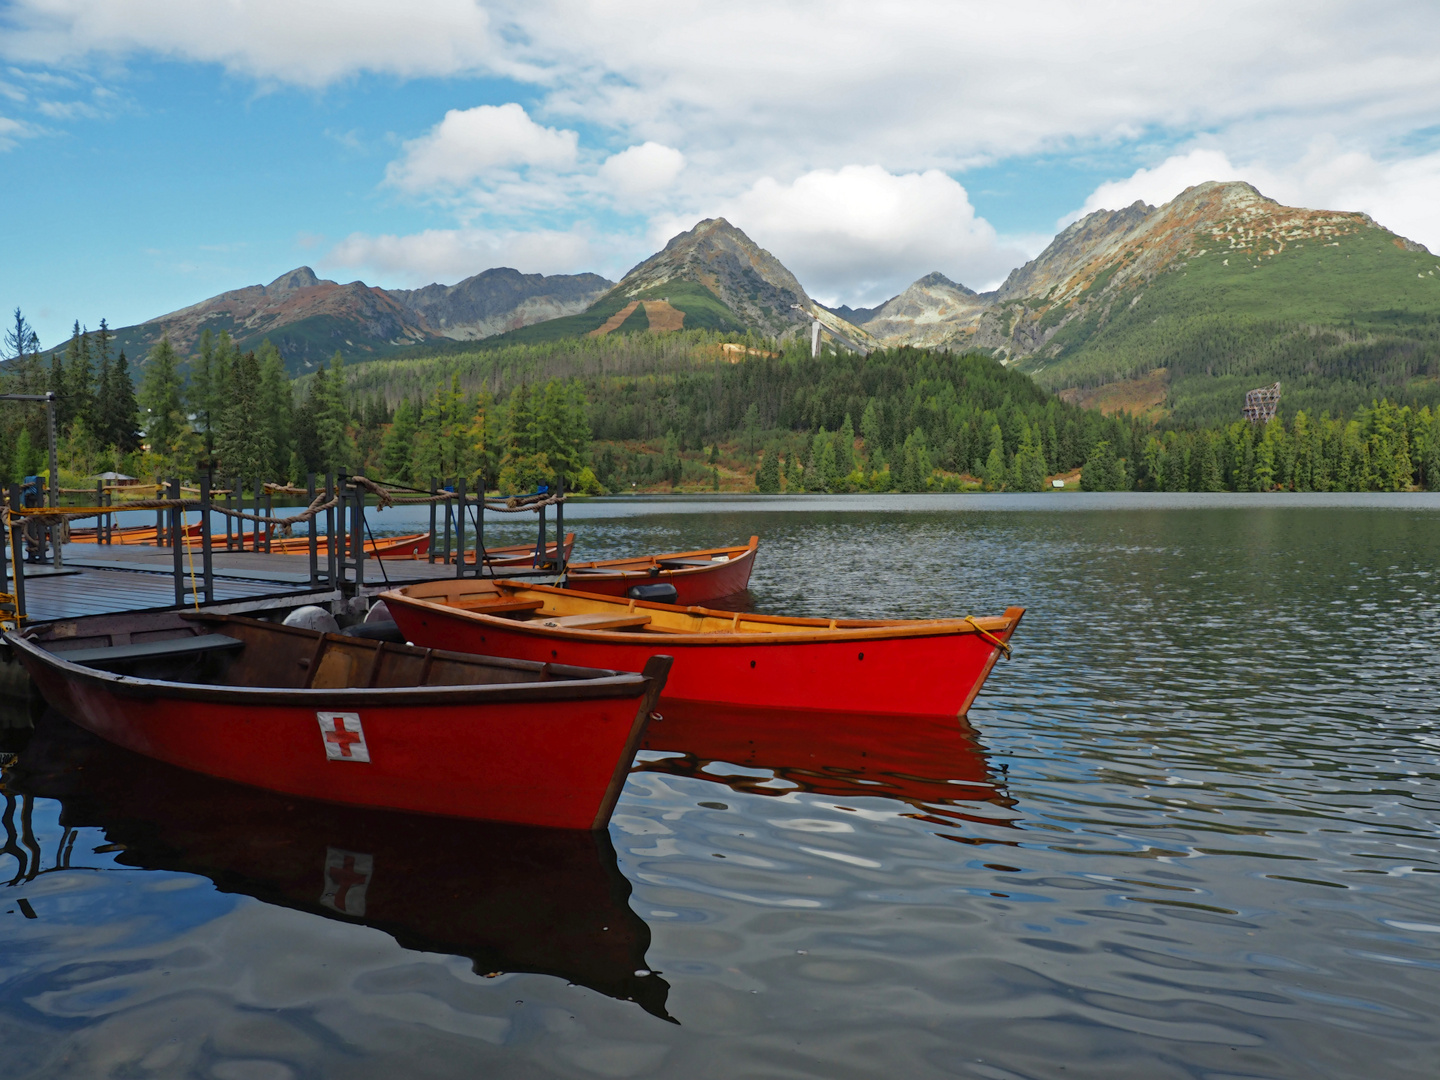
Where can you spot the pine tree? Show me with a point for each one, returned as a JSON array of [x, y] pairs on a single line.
[[332, 419], [845, 448], [871, 432], [121, 410], [160, 395], [915, 465], [794, 474], [242, 440], [205, 404], [398, 447], [277, 409], [1102, 471], [767, 476], [1029, 473], [993, 472]]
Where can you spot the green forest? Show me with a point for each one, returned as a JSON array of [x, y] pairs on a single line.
[[693, 410], [1338, 324]]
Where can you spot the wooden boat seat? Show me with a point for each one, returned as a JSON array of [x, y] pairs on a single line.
[[480, 603], [680, 564], [598, 620], [152, 650]]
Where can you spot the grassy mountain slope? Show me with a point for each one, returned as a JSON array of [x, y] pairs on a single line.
[[1336, 322]]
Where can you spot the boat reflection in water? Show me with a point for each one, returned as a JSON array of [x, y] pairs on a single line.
[[935, 765], [510, 898]]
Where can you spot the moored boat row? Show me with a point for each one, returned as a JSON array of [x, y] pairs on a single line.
[[495, 699]]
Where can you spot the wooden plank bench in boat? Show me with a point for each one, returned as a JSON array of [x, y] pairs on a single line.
[[599, 620], [152, 650], [490, 605]]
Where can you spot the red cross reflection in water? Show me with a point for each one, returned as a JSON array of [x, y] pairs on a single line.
[[343, 877]]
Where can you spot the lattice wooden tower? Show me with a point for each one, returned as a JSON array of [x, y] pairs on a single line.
[[1260, 405]]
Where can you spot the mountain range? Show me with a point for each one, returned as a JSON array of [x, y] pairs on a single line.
[[308, 318], [1220, 285]]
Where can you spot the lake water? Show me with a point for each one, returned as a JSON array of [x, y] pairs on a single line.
[[1191, 830]]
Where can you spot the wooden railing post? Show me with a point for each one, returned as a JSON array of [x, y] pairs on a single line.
[[207, 561], [177, 556]]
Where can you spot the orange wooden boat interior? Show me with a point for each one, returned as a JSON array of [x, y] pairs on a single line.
[[932, 667]]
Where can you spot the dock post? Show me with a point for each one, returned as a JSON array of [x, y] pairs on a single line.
[[342, 525], [109, 500], [17, 552], [357, 535], [99, 518], [159, 528], [434, 487], [480, 528], [312, 525], [207, 561], [269, 512], [540, 559], [332, 547], [560, 526], [447, 522], [460, 527], [177, 557]]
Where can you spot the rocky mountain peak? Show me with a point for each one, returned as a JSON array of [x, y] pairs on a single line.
[[302, 277], [742, 275]]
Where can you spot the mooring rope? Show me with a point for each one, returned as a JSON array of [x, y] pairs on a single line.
[[1000, 643]]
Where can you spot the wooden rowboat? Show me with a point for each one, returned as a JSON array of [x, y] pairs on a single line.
[[411, 546], [909, 667], [521, 554], [698, 576], [355, 721], [509, 898]]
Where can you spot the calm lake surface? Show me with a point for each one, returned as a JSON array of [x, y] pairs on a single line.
[[1191, 830]]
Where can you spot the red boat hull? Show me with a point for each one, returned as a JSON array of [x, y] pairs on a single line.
[[693, 584], [909, 675], [546, 760]]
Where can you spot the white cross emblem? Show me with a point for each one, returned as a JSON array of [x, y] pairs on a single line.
[[343, 735]]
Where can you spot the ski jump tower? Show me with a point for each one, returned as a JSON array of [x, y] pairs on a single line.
[[1260, 405]]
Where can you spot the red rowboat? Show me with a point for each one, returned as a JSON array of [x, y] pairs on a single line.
[[909, 667], [521, 554], [358, 721], [508, 898], [698, 576]]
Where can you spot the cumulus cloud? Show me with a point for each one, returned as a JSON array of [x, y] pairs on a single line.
[[468, 143], [1399, 194], [860, 234], [642, 170], [1159, 184], [448, 255], [314, 43]]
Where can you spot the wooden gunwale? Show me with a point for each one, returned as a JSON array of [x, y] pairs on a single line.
[[576, 686], [645, 563], [729, 632]]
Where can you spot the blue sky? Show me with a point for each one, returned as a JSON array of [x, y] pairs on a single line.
[[155, 152]]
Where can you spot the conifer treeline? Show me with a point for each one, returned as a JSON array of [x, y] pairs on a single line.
[[642, 410]]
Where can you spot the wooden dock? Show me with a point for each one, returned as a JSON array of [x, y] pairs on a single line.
[[99, 580]]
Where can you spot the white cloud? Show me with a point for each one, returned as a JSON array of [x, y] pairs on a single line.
[[449, 255], [860, 234], [1159, 184], [1399, 194], [469, 143], [313, 43], [12, 131], [642, 170]]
